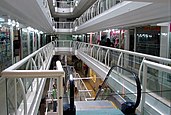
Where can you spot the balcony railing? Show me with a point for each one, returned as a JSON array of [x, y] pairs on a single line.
[[63, 25], [64, 4], [26, 79], [97, 8]]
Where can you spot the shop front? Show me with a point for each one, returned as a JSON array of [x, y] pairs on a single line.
[[148, 40]]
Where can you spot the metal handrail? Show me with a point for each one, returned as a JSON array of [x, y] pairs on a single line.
[[135, 78]]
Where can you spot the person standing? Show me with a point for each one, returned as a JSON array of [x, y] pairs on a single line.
[[54, 97]]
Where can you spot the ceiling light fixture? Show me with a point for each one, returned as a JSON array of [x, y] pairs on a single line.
[[54, 1]]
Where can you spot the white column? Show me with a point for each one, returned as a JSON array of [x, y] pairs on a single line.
[[12, 44], [65, 60], [126, 40], [60, 95], [33, 42], [135, 39], [100, 35], [38, 41], [164, 42], [28, 41]]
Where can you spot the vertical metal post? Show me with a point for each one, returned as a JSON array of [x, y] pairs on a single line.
[[60, 95], [15, 98], [144, 87], [65, 60], [119, 59], [71, 92]]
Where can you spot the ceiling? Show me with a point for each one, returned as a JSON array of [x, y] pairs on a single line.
[[128, 15], [27, 12], [31, 13]]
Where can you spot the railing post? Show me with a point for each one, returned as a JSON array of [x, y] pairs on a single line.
[[60, 95], [24, 96], [140, 68], [119, 59], [144, 88], [60, 89], [15, 98], [106, 57], [98, 54]]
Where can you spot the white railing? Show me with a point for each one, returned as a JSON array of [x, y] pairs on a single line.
[[34, 66], [97, 8], [82, 88], [64, 4], [63, 25]]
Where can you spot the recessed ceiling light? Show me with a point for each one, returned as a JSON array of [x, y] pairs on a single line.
[[2, 20]]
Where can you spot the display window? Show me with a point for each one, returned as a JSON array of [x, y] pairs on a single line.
[[5, 47], [24, 38], [148, 40], [115, 36]]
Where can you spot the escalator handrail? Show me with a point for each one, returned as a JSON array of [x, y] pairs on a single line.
[[137, 82]]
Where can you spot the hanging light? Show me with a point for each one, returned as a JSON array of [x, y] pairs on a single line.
[[54, 1], [56, 9], [13, 22], [17, 24], [9, 22], [76, 3]]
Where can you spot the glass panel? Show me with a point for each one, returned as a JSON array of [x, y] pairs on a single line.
[[119, 87], [24, 43], [10, 96], [5, 48]]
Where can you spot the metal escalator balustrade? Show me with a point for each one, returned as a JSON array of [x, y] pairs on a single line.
[[114, 88]]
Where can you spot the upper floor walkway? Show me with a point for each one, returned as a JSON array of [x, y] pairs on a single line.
[[29, 76], [105, 14]]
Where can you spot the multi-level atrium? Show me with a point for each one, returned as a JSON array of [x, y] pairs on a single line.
[[77, 57]]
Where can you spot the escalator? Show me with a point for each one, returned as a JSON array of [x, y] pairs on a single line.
[[121, 87]]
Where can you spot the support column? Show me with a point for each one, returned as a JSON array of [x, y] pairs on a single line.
[[164, 42], [12, 44], [65, 60], [28, 41]]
